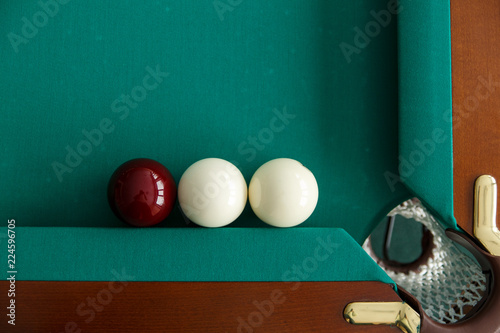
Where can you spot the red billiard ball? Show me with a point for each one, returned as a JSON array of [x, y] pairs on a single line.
[[141, 192]]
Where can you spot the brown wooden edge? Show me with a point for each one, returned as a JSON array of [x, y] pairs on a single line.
[[475, 45], [191, 306]]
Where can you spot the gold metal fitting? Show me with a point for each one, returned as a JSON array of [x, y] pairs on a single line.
[[485, 213], [383, 313]]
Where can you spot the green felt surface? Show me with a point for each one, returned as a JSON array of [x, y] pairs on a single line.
[[426, 149], [227, 79], [171, 254]]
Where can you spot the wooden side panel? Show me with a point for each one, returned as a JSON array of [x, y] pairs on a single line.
[[475, 41], [191, 307]]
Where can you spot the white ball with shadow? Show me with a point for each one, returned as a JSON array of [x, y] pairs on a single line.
[[212, 193], [283, 193]]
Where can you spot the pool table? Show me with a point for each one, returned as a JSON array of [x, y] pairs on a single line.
[[379, 99]]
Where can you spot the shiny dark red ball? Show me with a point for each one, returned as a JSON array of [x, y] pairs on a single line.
[[142, 192]]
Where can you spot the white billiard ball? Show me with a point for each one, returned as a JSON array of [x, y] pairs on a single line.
[[212, 193], [283, 193]]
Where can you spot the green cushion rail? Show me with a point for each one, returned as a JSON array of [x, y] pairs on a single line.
[[425, 126], [172, 254]]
